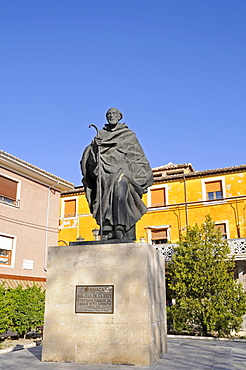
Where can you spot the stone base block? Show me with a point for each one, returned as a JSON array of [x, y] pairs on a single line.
[[135, 333]]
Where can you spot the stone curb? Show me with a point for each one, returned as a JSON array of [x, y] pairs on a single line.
[[18, 347], [173, 336]]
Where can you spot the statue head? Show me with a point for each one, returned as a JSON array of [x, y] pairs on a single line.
[[113, 116]]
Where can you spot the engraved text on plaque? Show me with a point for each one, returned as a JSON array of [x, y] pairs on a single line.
[[94, 299]]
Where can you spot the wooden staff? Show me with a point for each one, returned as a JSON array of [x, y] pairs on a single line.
[[99, 178]]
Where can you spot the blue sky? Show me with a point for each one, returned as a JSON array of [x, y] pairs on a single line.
[[175, 68]]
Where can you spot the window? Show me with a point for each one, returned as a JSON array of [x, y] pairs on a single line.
[[173, 173], [158, 175], [6, 247], [214, 190], [69, 208], [8, 190], [159, 236], [158, 197], [222, 228]]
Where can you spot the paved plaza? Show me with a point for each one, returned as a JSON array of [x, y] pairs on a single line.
[[182, 354]]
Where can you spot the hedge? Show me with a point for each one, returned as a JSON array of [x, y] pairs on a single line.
[[21, 309]]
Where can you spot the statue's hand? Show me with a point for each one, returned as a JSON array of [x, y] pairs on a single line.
[[98, 141]]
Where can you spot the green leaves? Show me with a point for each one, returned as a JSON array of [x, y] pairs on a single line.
[[208, 299], [21, 309]]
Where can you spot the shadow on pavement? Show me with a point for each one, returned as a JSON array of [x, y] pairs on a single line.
[[36, 351], [18, 347]]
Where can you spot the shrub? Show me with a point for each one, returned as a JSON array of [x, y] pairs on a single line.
[[21, 309]]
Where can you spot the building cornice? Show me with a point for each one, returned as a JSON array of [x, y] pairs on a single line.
[[76, 191], [17, 165]]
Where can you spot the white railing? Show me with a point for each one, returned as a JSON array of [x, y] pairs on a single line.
[[166, 249], [237, 248]]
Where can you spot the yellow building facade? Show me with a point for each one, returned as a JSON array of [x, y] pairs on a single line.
[[180, 196]]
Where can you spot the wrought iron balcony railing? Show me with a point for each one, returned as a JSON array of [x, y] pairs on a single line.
[[237, 248], [166, 249]]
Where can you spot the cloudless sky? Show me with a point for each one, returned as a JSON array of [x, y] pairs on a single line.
[[175, 68]]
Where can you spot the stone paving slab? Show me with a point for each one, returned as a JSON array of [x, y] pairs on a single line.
[[182, 354]]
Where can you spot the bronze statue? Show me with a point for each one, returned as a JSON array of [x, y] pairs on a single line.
[[116, 173]]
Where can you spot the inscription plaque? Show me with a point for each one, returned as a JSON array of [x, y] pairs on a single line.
[[94, 299]]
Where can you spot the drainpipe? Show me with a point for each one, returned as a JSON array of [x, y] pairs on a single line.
[[78, 232], [47, 225], [186, 206], [178, 221], [236, 219], [244, 218]]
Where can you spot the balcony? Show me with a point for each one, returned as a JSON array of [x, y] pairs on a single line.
[[237, 247], [166, 249]]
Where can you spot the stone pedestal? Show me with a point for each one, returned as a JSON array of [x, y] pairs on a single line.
[[135, 333]]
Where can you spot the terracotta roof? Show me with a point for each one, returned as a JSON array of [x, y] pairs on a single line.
[[172, 166], [173, 177], [24, 168], [76, 190], [205, 173]]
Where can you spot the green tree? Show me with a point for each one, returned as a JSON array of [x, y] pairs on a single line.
[[28, 308], [208, 299], [3, 317], [6, 308], [21, 309]]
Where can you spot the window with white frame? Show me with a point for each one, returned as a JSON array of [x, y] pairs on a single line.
[[69, 208], [214, 189], [222, 227], [9, 190], [157, 196], [6, 249], [158, 234]]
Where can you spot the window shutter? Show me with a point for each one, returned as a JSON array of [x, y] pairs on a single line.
[[159, 234], [6, 243], [214, 190], [158, 197], [213, 186], [8, 188], [70, 208]]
